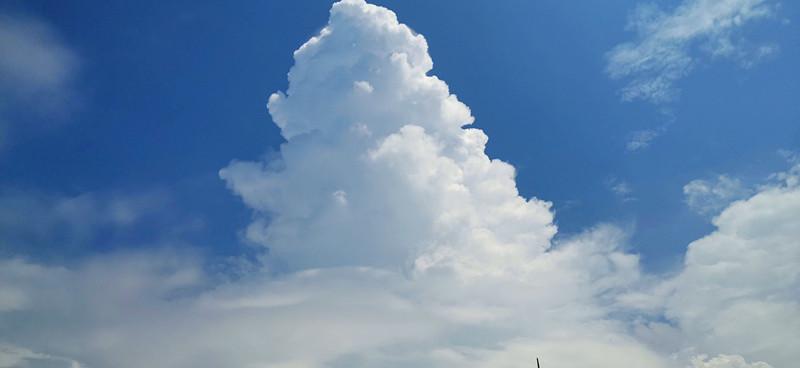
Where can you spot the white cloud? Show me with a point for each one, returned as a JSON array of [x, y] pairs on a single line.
[[621, 188], [36, 70], [641, 139], [131, 309], [404, 246], [670, 45], [790, 156], [725, 361], [12, 356], [420, 191], [303, 320], [737, 291], [394, 241], [709, 197]]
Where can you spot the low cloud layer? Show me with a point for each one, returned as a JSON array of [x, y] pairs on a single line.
[[56, 226], [395, 241]]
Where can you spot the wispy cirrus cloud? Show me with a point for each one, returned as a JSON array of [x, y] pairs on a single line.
[[37, 72], [621, 188], [641, 139], [708, 197], [54, 225], [669, 45]]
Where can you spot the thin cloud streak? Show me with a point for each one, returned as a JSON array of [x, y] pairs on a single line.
[[670, 45], [37, 71]]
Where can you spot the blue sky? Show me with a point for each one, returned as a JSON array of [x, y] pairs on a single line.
[[166, 94], [118, 117]]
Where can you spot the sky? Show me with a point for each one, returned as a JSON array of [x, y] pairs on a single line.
[[440, 184]]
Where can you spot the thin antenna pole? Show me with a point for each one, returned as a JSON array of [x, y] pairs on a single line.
[[537, 363]]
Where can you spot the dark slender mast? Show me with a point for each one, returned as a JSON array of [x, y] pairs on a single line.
[[537, 363]]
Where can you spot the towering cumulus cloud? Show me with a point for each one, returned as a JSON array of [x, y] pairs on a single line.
[[394, 241], [377, 170]]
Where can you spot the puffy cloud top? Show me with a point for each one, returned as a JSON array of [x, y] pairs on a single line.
[[377, 169]]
